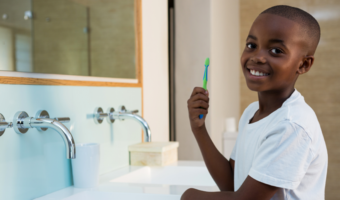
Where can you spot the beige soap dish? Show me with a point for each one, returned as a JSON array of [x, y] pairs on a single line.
[[153, 153]]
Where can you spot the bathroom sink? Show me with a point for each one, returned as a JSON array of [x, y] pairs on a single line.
[[95, 195], [169, 175], [139, 182]]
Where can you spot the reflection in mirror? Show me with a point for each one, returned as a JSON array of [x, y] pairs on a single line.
[[73, 37]]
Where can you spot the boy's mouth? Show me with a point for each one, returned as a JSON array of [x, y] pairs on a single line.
[[255, 72]]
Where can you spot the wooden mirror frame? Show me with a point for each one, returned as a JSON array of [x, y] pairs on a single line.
[[50, 81]]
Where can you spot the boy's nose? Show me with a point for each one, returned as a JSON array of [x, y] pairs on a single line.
[[258, 58]]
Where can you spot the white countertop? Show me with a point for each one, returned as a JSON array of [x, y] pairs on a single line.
[[111, 185]]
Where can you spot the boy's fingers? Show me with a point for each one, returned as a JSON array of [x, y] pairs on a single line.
[[199, 97], [198, 90], [198, 111], [199, 104]]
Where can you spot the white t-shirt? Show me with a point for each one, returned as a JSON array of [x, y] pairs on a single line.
[[285, 149]]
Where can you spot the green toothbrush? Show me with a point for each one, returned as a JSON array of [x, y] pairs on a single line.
[[205, 79]]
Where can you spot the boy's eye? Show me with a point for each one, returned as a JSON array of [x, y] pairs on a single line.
[[251, 46], [276, 51]]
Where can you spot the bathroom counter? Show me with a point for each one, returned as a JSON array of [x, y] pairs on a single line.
[[143, 182]]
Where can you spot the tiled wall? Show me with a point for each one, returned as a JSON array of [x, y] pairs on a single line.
[[35, 164], [321, 85]]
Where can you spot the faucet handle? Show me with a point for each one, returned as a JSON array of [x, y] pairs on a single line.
[[110, 118], [99, 115], [4, 124], [122, 109], [62, 119], [44, 114], [134, 111], [20, 122]]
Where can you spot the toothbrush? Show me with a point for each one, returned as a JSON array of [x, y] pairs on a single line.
[[205, 79]]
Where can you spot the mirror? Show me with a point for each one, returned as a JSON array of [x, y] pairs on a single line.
[[71, 37]]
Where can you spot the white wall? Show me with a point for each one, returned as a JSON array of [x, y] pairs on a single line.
[[224, 71], [206, 28], [155, 67], [192, 46]]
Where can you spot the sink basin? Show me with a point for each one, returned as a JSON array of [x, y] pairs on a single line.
[[151, 183], [95, 195], [169, 175]]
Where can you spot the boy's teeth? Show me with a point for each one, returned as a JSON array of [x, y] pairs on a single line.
[[257, 73]]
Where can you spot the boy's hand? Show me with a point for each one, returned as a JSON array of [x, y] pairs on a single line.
[[198, 104]]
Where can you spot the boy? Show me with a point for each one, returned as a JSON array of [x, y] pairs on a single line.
[[280, 152]]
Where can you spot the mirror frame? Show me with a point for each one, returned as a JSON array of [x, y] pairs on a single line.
[[31, 79]]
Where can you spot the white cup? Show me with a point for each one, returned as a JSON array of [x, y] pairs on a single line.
[[85, 167]]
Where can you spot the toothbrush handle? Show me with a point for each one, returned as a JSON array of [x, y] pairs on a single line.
[[205, 78], [205, 87], [205, 84]]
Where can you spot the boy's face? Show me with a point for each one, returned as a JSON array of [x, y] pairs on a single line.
[[274, 51]]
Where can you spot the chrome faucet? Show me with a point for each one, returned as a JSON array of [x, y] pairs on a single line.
[[22, 122], [122, 114], [4, 124]]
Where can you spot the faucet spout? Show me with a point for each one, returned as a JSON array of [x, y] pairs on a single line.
[[61, 129], [144, 124]]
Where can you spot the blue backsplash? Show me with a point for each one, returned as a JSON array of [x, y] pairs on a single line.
[[34, 164]]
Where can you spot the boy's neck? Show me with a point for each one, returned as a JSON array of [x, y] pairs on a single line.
[[269, 101]]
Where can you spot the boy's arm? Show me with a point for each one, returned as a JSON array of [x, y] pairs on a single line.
[[219, 167], [250, 189], [221, 170]]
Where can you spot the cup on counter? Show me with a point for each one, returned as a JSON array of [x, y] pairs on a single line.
[[85, 167]]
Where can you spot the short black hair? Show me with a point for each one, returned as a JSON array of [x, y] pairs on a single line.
[[308, 23]]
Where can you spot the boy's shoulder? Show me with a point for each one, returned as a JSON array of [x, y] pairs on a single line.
[[298, 112], [295, 111]]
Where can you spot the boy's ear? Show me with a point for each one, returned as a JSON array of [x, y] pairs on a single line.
[[306, 64]]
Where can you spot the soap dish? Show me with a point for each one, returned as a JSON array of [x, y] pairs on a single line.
[[153, 153]]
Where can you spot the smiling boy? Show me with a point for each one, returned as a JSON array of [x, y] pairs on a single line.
[[280, 152]]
